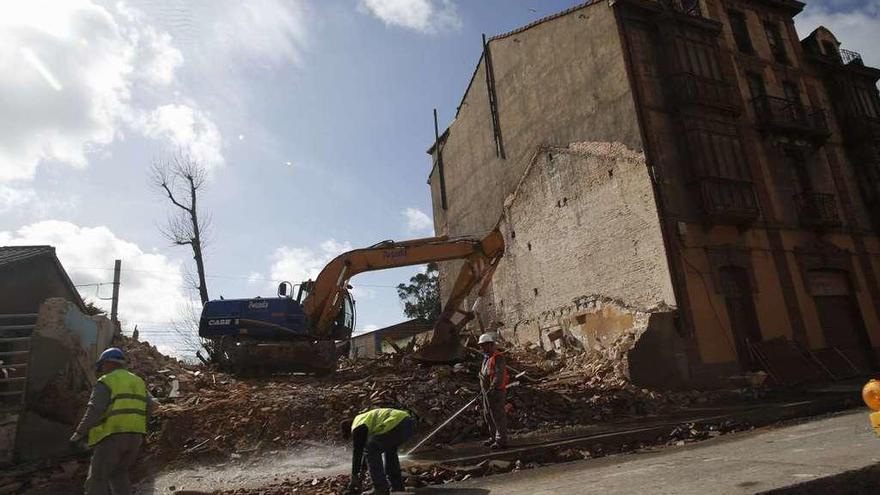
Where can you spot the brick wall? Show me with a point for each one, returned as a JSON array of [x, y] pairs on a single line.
[[582, 221]]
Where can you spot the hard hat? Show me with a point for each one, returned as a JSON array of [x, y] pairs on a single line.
[[871, 394], [112, 355], [487, 338]]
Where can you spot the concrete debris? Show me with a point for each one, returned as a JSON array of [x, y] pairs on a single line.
[[219, 415], [161, 372]]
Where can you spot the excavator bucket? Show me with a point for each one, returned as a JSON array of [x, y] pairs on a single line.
[[444, 352], [445, 344]]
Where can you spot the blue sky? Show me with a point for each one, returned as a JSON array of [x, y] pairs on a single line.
[[313, 117]]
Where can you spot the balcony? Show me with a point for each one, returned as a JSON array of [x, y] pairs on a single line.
[[779, 115], [728, 201], [850, 57], [691, 89], [687, 7], [817, 210]]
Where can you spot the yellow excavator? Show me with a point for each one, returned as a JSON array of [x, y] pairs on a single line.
[[300, 332]]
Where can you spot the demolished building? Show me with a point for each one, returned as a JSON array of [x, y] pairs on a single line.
[[47, 350], [690, 160]]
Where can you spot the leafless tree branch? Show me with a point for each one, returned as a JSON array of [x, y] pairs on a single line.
[[181, 178]]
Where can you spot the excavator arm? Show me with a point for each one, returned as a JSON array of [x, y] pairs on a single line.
[[480, 256]]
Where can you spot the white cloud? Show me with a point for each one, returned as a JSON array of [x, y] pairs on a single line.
[[418, 221], [856, 27], [271, 31], [72, 73], [12, 198], [254, 277], [425, 16], [151, 284], [74, 89], [296, 264], [66, 80], [185, 128]]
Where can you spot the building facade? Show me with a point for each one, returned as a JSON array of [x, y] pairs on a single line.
[[695, 156]]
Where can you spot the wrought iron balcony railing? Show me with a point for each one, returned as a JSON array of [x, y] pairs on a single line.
[[783, 115], [817, 210], [849, 56], [687, 7], [691, 89], [730, 201]]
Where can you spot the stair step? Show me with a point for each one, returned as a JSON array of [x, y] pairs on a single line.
[[4, 328], [14, 353], [18, 315], [12, 340]]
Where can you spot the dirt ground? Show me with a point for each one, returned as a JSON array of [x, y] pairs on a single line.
[[210, 418]]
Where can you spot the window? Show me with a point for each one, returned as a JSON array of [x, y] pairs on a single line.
[[777, 46], [756, 84], [740, 31], [792, 93], [800, 174]]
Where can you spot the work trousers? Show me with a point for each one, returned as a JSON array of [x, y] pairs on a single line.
[[387, 445], [112, 459], [496, 417]]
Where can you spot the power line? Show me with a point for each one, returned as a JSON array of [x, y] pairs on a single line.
[[235, 277]]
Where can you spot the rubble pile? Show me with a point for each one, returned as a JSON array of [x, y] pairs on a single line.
[[227, 415], [161, 372], [219, 415]]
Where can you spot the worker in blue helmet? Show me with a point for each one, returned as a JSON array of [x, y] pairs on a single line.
[[114, 424]]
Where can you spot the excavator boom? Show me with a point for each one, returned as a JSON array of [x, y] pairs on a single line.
[[479, 256], [300, 333]]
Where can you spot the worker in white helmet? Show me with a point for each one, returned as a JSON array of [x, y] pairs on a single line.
[[493, 385]]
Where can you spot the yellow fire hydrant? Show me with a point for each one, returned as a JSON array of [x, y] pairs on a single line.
[[871, 396]]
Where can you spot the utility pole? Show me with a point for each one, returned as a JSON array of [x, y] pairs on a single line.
[[117, 267]]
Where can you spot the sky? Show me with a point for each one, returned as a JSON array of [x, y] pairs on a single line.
[[311, 116]]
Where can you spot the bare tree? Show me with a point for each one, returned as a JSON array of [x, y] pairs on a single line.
[[181, 178]]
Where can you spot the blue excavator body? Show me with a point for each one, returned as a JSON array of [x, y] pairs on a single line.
[[277, 318], [272, 334]]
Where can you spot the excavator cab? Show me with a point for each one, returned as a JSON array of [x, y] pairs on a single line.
[[343, 325]]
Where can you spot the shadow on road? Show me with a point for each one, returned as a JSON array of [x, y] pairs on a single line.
[[433, 490], [858, 482]]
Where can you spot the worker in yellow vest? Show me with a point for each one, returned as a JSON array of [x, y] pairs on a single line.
[[114, 424], [376, 433]]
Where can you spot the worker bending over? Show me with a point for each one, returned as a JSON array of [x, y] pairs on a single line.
[[493, 385], [114, 424], [378, 432]]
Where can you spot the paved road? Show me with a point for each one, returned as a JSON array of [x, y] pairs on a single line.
[[743, 463]]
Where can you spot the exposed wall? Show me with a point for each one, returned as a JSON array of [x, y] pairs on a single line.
[[63, 349], [582, 221], [25, 285], [558, 82], [366, 346]]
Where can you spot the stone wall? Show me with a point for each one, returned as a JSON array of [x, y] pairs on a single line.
[[582, 221], [559, 81]]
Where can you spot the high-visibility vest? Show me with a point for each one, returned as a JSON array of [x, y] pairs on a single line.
[[379, 421], [490, 365], [127, 412]]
